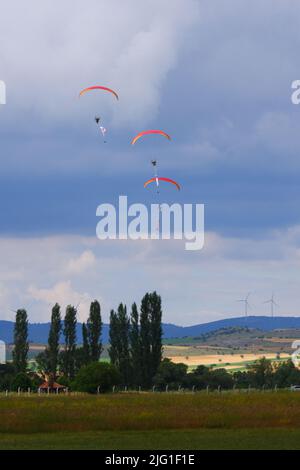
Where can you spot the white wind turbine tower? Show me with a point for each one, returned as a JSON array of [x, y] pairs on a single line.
[[272, 302], [247, 305]]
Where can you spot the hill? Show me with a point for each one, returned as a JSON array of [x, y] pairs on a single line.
[[38, 332]]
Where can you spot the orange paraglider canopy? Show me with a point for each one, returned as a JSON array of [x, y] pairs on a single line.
[[151, 131], [167, 180], [85, 90]]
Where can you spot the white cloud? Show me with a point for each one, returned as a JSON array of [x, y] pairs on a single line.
[[77, 265], [63, 294], [52, 52]]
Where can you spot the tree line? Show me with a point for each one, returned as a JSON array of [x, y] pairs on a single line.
[[135, 348], [262, 374], [135, 353]]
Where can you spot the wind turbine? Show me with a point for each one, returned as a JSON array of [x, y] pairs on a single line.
[[272, 302], [247, 305]]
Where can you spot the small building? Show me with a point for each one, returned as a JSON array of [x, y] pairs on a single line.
[[45, 387]]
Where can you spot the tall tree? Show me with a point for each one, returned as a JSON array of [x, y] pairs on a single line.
[[69, 354], [145, 336], [135, 346], [52, 351], [21, 347], [124, 354], [94, 328], [82, 354], [113, 338], [85, 345], [156, 332], [119, 342]]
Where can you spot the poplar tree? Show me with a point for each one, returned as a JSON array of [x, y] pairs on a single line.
[[21, 345], [85, 345], [145, 335], [156, 332], [119, 342], [94, 329], [69, 354], [52, 351], [135, 346], [124, 355], [113, 338]]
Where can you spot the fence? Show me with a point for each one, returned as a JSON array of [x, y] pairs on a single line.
[[125, 390]]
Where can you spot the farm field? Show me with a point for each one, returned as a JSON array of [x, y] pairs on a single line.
[[236, 340], [231, 348], [152, 421], [226, 361]]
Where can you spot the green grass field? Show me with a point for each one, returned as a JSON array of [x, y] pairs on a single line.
[[152, 421], [196, 439]]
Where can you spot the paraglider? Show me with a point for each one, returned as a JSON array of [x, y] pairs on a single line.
[[154, 164], [103, 132], [156, 180], [104, 88], [151, 131], [157, 132], [97, 118], [102, 129]]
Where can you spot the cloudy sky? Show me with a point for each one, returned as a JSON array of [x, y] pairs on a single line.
[[216, 76]]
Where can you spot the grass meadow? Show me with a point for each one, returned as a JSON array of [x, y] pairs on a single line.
[[152, 421]]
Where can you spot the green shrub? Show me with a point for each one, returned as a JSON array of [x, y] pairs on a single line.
[[94, 375], [21, 381]]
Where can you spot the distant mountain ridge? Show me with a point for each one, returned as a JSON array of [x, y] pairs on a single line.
[[38, 332]]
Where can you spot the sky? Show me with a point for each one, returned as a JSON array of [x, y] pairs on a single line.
[[217, 77]]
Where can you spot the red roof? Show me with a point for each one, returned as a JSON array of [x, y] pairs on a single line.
[[54, 385]]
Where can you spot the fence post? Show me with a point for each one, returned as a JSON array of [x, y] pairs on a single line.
[[98, 389], [207, 389], [219, 388], [113, 389], [153, 388], [167, 388]]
